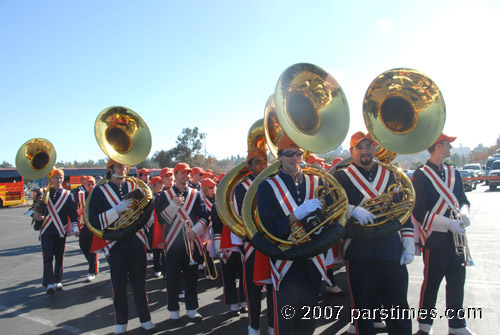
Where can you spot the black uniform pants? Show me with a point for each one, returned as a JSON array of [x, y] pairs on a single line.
[[128, 264], [372, 283], [52, 248], [439, 263], [296, 293], [178, 266], [85, 244], [158, 260], [231, 270], [254, 296]]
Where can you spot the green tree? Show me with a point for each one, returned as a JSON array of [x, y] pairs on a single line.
[[6, 164]]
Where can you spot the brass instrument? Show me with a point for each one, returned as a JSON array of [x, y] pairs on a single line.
[[311, 108], [125, 138], [460, 241], [404, 112], [34, 160], [224, 197]]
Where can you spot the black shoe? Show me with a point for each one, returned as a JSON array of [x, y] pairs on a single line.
[[421, 332], [243, 310], [234, 314], [173, 322]]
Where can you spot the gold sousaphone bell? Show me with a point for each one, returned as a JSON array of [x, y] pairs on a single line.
[[35, 158], [125, 138], [311, 109], [404, 112]]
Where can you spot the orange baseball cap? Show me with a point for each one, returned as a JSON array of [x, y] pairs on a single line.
[[255, 152], [220, 176], [110, 163], [196, 170], [143, 171], [208, 182], [182, 167], [285, 142], [360, 136], [154, 180], [56, 172], [444, 137], [166, 171]]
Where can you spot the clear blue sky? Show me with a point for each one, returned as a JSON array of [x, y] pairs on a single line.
[[213, 64]]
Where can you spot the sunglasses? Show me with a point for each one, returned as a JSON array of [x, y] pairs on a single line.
[[289, 154]]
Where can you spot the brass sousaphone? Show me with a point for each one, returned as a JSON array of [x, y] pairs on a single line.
[[404, 112], [34, 160], [125, 138], [227, 186], [312, 110]]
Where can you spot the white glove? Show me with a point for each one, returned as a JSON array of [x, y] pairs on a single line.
[[406, 258], [306, 208], [464, 211], [123, 206], [456, 228], [362, 215]]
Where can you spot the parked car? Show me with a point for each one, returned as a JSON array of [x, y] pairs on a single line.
[[468, 184], [476, 168], [487, 168], [495, 171]]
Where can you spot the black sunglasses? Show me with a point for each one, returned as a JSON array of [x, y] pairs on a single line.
[[289, 154]]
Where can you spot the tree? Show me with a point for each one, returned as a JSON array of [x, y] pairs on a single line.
[[6, 164]]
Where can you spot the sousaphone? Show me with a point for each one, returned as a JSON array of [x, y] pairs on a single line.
[[404, 112], [125, 138], [311, 108]]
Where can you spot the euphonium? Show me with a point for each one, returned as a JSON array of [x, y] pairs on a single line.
[[404, 112], [34, 160], [125, 138], [311, 108]]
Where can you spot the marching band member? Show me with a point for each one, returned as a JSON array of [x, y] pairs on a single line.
[[126, 256], [184, 216], [227, 246], [208, 189], [376, 268], [257, 162], [157, 232], [143, 174], [196, 177], [282, 200], [86, 236], [60, 210], [442, 210], [167, 177]]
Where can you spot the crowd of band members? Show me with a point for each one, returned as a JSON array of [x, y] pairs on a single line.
[[185, 227]]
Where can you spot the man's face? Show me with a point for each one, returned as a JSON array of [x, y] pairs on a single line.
[[182, 177], [363, 153], [197, 177], [290, 159], [157, 187], [89, 186], [57, 181], [168, 180], [120, 169], [144, 177], [257, 164], [210, 191], [444, 148]]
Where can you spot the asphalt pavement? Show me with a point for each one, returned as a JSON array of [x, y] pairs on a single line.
[[86, 308]]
